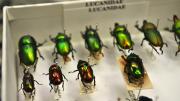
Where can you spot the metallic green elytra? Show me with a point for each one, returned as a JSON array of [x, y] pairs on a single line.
[[134, 68], [63, 46], [152, 35], [122, 38], [28, 48], [92, 41], [176, 30]]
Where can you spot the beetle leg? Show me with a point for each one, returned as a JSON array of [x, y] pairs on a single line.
[[93, 65], [69, 37], [54, 51], [102, 53], [51, 87], [86, 46], [63, 85], [157, 23], [21, 87], [177, 50], [73, 55], [40, 44], [165, 44], [56, 57], [94, 81], [161, 50], [167, 29], [45, 73], [78, 76], [137, 26], [35, 64], [74, 71], [83, 83], [120, 49], [82, 34], [175, 37], [114, 42], [52, 39], [40, 54], [143, 41], [33, 94], [56, 89], [111, 32], [24, 93], [65, 77], [38, 82], [154, 48]]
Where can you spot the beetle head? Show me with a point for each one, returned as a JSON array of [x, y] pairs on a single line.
[[144, 22], [116, 24], [81, 62], [175, 18], [60, 36]]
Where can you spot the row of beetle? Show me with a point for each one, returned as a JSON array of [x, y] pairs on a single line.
[[28, 48]]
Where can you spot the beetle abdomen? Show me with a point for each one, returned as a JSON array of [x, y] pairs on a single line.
[[154, 37], [93, 44], [87, 75], [55, 77], [124, 40], [28, 55], [63, 48], [28, 87]]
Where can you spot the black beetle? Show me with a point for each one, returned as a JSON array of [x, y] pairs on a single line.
[[28, 49], [144, 98], [92, 41], [63, 46], [28, 84], [152, 35], [85, 72], [56, 77], [134, 68]]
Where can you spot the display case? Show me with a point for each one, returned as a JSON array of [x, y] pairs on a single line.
[[42, 20]]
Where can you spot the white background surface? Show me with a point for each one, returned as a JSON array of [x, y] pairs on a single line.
[[42, 20]]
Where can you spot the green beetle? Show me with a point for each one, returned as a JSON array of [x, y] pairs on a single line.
[[134, 68], [176, 30], [152, 35], [92, 41], [121, 37], [63, 46], [28, 49]]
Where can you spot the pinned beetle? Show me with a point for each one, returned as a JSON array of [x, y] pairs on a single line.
[[85, 72], [92, 41], [28, 84], [134, 68], [152, 35], [176, 30], [63, 46], [56, 77], [122, 38], [28, 48]]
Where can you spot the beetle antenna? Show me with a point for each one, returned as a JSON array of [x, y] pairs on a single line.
[[93, 65], [170, 20], [64, 31], [157, 23], [90, 27], [38, 82], [96, 27], [21, 87], [87, 28], [126, 25]]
